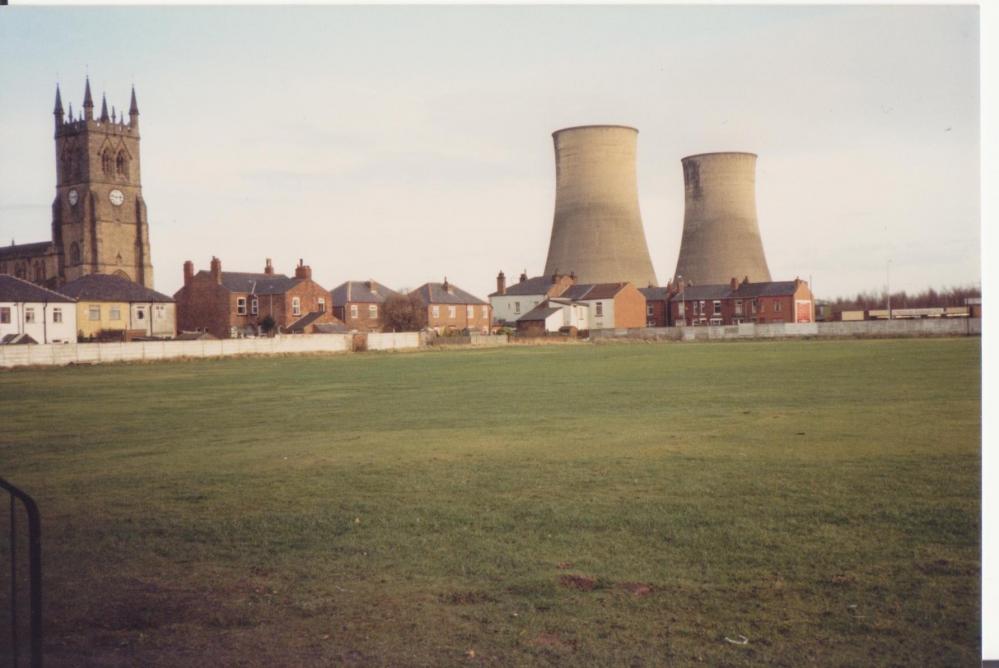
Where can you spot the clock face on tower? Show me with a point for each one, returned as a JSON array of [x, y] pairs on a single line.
[[116, 197], [73, 197]]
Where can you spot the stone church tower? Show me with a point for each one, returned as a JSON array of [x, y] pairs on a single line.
[[99, 221], [98, 217]]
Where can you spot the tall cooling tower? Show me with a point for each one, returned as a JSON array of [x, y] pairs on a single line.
[[721, 238], [597, 232]]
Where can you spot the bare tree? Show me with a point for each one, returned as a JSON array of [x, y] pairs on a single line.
[[404, 313]]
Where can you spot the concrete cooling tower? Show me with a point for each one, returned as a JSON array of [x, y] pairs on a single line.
[[721, 238], [597, 232]]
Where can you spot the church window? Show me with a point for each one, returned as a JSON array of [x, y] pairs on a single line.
[[106, 162], [241, 306], [3, 267], [296, 306], [74, 253], [39, 270], [20, 270], [29, 314], [56, 314], [121, 165]]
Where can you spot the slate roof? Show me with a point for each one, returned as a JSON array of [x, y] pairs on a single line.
[[255, 284], [434, 293], [331, 327], [26, 249], [110, 288], [537, 285], [13, 289], [655, 294], [358, 292], [743, 291], [539, 312], [588, 291], [305, 321]]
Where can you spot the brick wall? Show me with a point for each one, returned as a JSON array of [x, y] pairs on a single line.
[[629, 308], [479, 321]]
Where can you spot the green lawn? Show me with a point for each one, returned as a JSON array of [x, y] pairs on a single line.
[[575, 505]]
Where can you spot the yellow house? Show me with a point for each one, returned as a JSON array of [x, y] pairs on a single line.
[[109, 303]]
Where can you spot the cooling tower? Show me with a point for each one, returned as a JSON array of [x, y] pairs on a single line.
[[721, 238], [597, 232]]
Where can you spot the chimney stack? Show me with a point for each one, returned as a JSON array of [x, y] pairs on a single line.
[[188, 272], [501, 283], [303, 270], [733, 283], [446, 285], [217, 270], [268, 267], [523, 276]]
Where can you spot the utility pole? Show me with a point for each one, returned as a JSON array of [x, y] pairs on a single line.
[[889, 288]]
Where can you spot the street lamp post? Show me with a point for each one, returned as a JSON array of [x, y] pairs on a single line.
[[888, 271], [683, 305]]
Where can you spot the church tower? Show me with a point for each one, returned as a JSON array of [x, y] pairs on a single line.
[[99, 221]]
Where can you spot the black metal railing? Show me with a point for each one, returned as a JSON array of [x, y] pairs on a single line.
[[16, 652]]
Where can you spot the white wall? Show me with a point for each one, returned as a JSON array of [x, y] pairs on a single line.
[[606, 321], [162, 322], [393, 340], [44, 329], [504, 309]]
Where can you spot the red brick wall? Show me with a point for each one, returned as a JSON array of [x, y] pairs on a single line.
[[480, 320], [202, 304], [658, 315], [629, 308], [363, 322]]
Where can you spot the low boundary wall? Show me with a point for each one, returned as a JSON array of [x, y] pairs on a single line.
[[856, 329], [394, 340], [95, 353]]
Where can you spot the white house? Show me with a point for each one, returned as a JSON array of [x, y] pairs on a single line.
[[510, 303], [44, 315]]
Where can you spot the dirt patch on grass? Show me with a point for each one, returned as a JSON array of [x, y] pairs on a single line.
[[636, 589], [579, 582]]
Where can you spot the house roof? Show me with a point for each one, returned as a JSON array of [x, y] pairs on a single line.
[[587, 291], [536, 285], [363, 292], [331, 327], [107, 287], [36, 248], [434, 293], [743, 291], [655, 294], [13, 289], [305, 321], [256, 284], [540, 312]]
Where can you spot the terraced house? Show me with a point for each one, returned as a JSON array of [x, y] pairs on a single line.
[[110, 306], [230, 304], [734, 303], [30, 313]]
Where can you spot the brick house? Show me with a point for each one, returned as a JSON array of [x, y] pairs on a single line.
[[510, 303], [232, 304], [734, 303], [657, 312], [451, 308], [359, 304]]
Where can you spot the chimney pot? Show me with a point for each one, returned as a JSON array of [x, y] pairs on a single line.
[[217, 269], [188, 272], [501, 283], [268, 267]]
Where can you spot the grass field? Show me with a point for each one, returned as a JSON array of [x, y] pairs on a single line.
[[586, 505]]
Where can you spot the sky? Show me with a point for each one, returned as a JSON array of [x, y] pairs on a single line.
[[405, 144]]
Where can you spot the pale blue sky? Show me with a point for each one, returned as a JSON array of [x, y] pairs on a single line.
[[405, 143]]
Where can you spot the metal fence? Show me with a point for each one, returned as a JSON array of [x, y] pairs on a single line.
[[25, 649]]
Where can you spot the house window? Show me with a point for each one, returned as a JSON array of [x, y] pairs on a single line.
[[649, 310], [241, 306], [738, 307], [435, 311], [160, 311], [600, 309], [753, 305], [322, 305], [140, 314], [254, 306], [485, 311], [29, 314], [373, 311], [353, 310], [700, 306], [777, 305], [296, 306], [452, 312], [4, 315], [94, 312], [516, 307], [470, 312], [115, 313], [717, 307]]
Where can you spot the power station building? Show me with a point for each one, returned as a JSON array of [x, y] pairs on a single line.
[[721, 236], [597, 232]]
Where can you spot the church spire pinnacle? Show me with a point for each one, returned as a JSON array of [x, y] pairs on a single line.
[[104, 109], [58, 103], [133, 111], [88, 103]]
